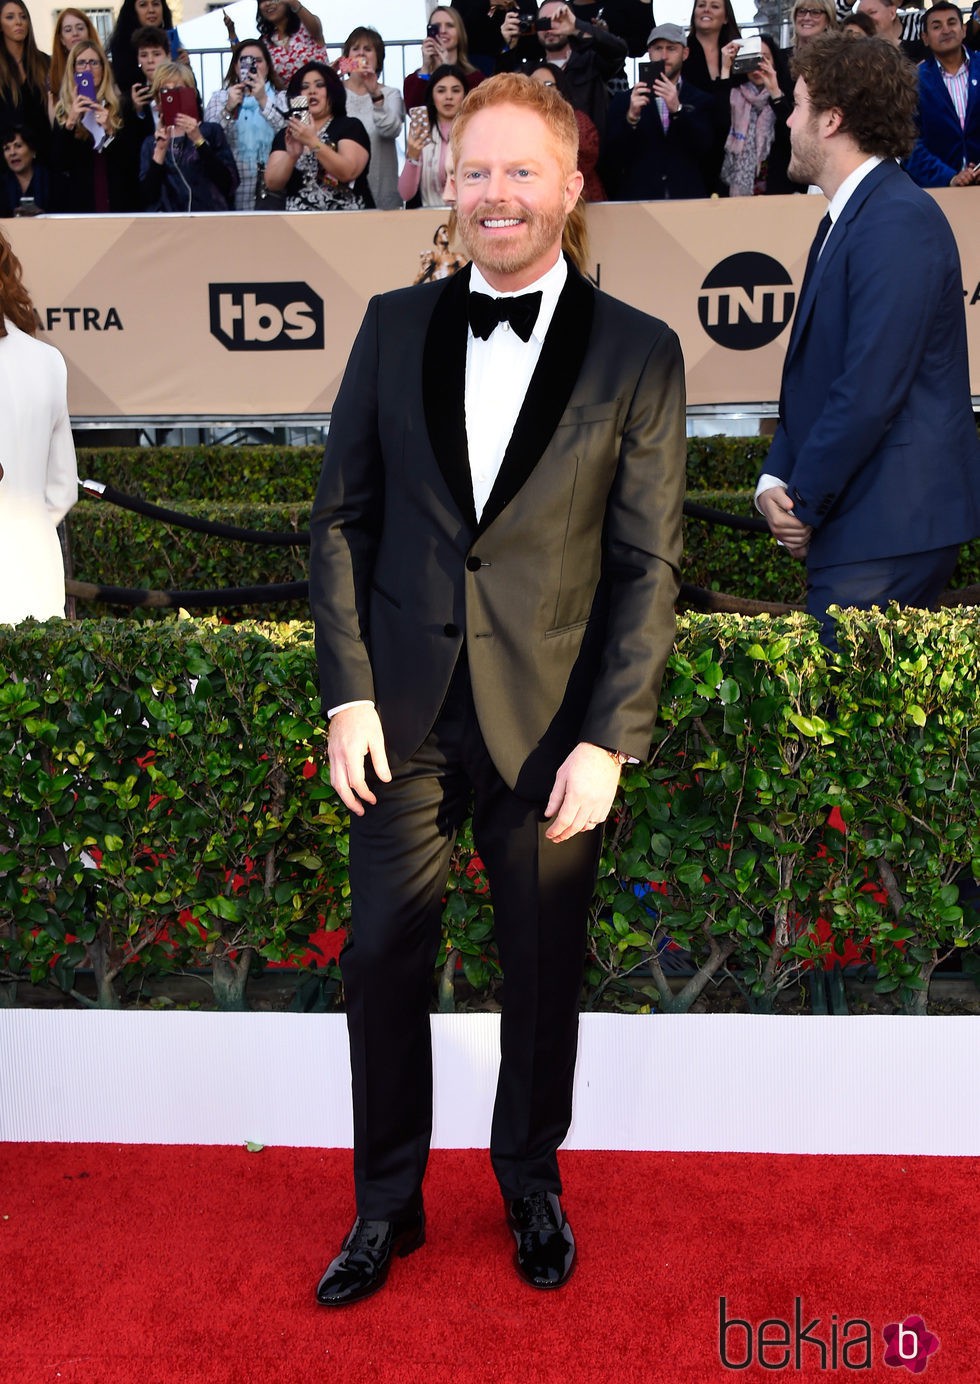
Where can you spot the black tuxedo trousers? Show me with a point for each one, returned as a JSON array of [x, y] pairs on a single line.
[[399, 863]]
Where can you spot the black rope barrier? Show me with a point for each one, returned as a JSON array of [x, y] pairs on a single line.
[[97, 490], [745, 522], [222, 596]]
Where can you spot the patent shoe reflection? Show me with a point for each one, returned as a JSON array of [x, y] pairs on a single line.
[[545, 1243], [362, 1265]]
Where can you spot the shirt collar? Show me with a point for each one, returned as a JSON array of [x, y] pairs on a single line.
[[850, 185], [963, 67], [550, 285]]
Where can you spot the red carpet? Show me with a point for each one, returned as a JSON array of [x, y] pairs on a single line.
[[149, 1265]]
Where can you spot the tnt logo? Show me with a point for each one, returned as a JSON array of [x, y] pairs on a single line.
[[267, 317], [746, 301]]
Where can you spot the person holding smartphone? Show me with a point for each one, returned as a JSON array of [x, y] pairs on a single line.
[[186, 165], [133, 15], [71, 26], [379, 108], [93, 163], [320, 160], [422, 181], [446, 44], [251, 109], [659, 133]]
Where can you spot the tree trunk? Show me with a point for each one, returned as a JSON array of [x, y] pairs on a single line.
[[447, 983], [229, 979]]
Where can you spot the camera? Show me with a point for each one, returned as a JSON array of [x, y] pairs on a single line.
[[543, 25], [526, 24], [748, 57]]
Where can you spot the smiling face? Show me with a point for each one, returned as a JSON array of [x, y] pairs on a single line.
[[513, 192], [448, 34], [15, 23], [72, 30], [314, 88], [943, 33], [447, 97], [709, 17], [809, 20]]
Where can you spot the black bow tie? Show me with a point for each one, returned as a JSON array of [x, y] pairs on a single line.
[[521, 312]]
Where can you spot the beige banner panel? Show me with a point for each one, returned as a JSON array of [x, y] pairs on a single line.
[[253, 315]]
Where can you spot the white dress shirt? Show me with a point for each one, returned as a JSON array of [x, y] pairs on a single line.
[[498, 372], [838, 202]]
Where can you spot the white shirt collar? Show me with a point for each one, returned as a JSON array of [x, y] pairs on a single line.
[[850, 185], [550, 284]]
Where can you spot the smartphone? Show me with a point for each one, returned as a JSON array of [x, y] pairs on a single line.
[[176, 101], [175, 44], [543, 25], [85, 85], [649, 72], [248, 65], [299, 107], [418, 123], [26, 207], [432, 31]]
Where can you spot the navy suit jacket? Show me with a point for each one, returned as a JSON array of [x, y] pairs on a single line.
[[876, 441], [943, 147]]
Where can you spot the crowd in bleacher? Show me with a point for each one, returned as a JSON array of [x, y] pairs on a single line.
[[293, 127]]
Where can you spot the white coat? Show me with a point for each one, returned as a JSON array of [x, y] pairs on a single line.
[[40, 479]]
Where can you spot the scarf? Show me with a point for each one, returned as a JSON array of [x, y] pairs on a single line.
[[749, 139], [255, 134]]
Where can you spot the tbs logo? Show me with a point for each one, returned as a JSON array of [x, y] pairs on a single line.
[[267, 317]]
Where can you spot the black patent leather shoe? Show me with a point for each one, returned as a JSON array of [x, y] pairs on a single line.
[[362, 1265], [545, 1243]]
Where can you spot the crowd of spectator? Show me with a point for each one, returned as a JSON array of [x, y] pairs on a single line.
[[88, 130]]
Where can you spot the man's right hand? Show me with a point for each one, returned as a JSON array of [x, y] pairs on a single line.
[[356, 733]]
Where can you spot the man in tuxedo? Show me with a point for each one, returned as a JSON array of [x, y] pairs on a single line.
[[495, 556], [873, 476]]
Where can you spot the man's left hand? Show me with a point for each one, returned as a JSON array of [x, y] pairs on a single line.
[[585, 786]]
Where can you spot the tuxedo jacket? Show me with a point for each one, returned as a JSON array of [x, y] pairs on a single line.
[[876, 440], [563, 592], [944, 145]]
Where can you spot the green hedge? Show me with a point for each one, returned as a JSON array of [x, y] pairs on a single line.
[[270, 475], [266, 474], [186, 761], [117, 548]]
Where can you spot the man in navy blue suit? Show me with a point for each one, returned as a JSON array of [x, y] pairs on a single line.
[[947, 152], [873, 476]]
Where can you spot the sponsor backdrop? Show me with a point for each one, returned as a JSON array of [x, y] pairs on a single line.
[[218, 316]]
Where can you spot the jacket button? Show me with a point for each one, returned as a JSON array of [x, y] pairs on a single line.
[[473, 564], [451, 630]]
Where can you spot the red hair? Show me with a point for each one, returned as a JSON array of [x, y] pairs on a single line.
[[15, 301]]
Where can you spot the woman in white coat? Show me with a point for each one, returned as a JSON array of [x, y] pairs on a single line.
[[40, 481]]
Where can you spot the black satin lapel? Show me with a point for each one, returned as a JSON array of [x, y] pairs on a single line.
[[548, 393], [444, 391]]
